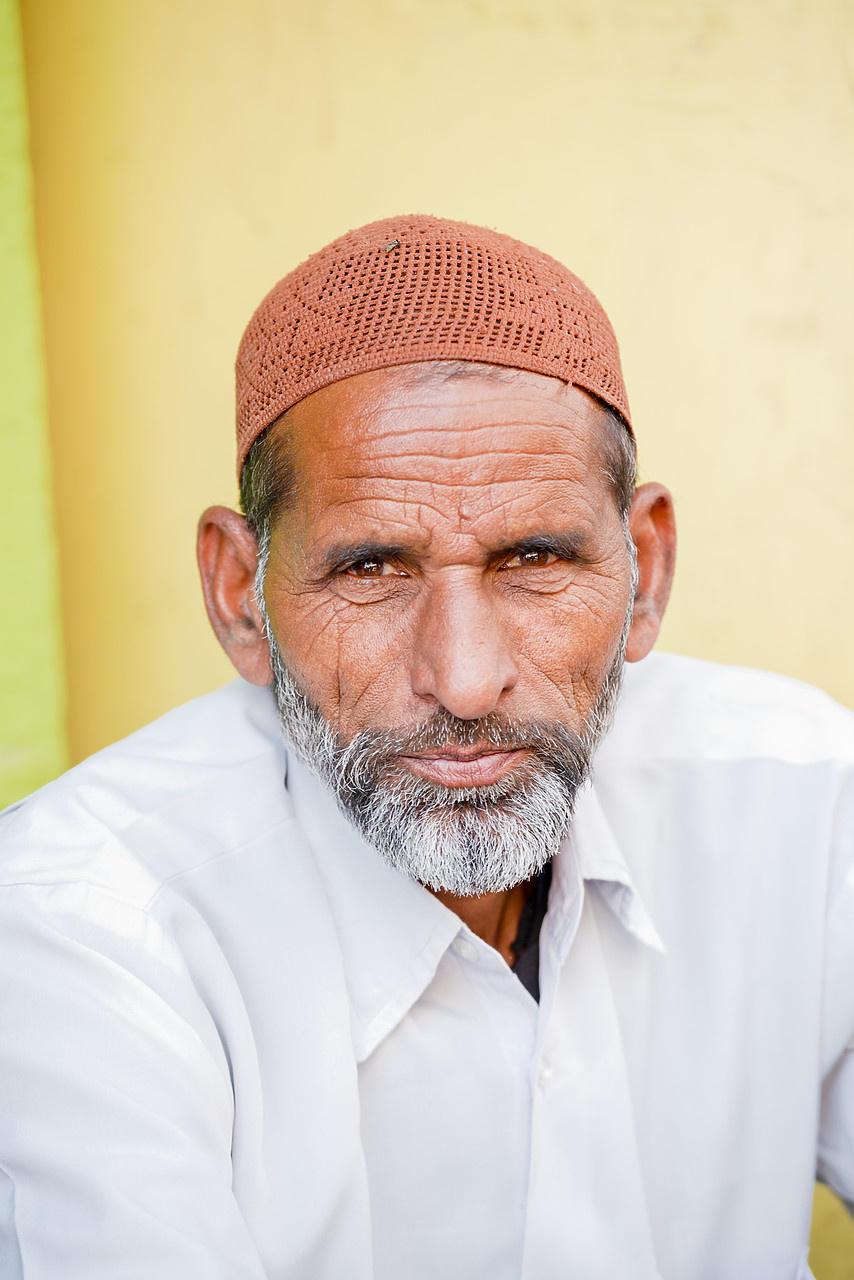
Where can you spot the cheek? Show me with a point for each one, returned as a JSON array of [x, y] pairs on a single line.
[[569, 642], [345, 657], [586, 608]]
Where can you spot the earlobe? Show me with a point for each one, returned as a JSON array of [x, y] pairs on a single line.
[[652, 525], [228, 558]]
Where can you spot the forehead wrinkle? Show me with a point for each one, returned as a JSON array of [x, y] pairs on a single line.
[[432, 502], [360, 418], [490, 472], [457, 420], [365, 459], [502, 448], [453, 419]]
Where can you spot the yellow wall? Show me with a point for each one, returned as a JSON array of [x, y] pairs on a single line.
[[691, 159], [32, 720]]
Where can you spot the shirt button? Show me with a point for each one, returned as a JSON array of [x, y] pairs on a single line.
[[544, 1076], [464, 949]]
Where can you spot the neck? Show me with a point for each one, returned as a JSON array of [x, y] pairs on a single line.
[[494, 917]]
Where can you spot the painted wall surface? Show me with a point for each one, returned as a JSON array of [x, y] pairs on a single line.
[[691, 159], [32, 712]]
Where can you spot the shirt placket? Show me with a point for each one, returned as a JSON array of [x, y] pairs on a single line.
[[586, 1212]]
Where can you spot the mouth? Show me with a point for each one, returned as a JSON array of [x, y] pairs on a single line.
[[464, 767]]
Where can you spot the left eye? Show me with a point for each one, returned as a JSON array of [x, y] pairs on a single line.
[[535, 558], [368, 569]]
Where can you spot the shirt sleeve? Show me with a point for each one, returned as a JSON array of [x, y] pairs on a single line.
[[116, 1106], [835, 1165]]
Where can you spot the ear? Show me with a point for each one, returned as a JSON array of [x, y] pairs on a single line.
[[652, 525], [228, 557]]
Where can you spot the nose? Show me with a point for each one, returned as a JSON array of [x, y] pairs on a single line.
[[461, 659]]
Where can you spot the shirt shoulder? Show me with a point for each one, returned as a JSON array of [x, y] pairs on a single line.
[[201, 781], [674, 707]]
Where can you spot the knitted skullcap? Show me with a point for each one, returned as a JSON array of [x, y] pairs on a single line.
[[420, 288]]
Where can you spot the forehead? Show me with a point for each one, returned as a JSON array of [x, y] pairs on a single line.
[[460, 428]]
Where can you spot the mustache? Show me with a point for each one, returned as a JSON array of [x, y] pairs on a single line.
[[372, 751], [445, 730]]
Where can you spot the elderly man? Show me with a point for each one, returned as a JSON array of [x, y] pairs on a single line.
[[411, 994]]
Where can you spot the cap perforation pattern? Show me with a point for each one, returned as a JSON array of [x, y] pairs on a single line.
[[420, 288]]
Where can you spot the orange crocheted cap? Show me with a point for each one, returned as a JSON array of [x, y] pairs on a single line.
[[420, 288]]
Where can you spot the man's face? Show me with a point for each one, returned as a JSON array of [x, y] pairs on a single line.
[[453, 544], [448, 598]]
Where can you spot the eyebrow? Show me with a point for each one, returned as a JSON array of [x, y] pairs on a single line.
[[569, 545], [574, 545]]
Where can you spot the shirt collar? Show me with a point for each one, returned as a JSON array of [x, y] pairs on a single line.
[[592, 848], [393, 932]]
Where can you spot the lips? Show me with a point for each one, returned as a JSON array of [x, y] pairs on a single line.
[[476, 767]]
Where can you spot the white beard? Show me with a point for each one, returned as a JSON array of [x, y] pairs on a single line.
[[467, 841]]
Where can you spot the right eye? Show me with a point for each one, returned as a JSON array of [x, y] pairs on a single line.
[[531, 558], [369, 569]]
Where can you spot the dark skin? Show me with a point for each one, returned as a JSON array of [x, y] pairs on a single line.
[[451, 544]]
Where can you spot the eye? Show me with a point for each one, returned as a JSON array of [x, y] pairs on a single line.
[[368, 569], [532, 558], [372, 568]]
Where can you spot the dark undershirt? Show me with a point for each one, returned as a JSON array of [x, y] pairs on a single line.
[[526, 948]]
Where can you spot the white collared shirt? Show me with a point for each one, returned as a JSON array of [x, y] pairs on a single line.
[[235, 1044]]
